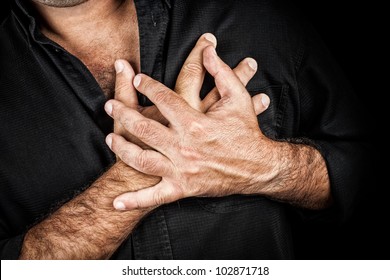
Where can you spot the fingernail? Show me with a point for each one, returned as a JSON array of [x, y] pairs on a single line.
[[109, 140], [119, 205], [211, 38], [108, 108], [252, 64], [119, 66], [137, 80], [265, 100]]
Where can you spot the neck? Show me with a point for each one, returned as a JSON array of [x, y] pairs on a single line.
[[66, 23], [97, 32]]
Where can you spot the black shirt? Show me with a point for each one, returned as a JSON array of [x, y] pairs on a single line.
[[53, 126]]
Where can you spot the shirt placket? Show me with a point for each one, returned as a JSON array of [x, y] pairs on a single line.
[[151, 238]]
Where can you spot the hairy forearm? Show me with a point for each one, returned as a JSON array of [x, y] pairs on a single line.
[[300, 177], [88, 226]]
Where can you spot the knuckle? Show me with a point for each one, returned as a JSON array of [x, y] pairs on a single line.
[[225, 100], [196, 127], [193, 68], [125, 155], [224, 68], [148, 85], [189, 154], [162, 96], [141, 128], [193, 169], [143, 162], [121, 86], [222, 72], [121, 114]]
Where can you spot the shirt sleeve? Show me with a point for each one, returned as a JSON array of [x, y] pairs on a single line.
[[333, 119]]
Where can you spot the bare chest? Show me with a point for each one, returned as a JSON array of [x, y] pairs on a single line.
[[105, 42], [100, 61]]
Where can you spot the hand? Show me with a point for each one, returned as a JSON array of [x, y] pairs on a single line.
[[188, 86], [217, 153]]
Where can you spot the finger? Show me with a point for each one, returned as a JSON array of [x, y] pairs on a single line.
[[147, 130], [227, 83], [152, 112], [172, 106], [146, 161], [191, 76], [162, 193], [260, 103], [124, 89], [211, 98], [245, 71]]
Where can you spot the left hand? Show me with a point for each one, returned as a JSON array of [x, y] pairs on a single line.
[[188, 85], [217, 153]]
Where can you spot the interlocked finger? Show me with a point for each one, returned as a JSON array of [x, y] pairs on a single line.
[[146, 161], [172, 106], [191, 76], [147, 130], [245, 71]]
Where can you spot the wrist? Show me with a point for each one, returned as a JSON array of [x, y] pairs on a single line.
[[277, 162], [120, 179], [269, 162], [297, 174]]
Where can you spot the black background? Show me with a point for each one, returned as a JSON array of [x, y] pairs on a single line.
[[352, 33], [3, 8]]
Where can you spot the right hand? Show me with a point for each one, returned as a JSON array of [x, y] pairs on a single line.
[[188, 85]]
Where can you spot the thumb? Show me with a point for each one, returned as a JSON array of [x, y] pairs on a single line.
[[260, 103], [162, 193], [124, 89]]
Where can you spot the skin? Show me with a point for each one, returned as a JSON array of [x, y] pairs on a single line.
[[86, 31], [88, 226], [215, 153]]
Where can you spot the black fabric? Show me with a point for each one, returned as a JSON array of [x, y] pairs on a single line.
[[4, 9], [53, 126]]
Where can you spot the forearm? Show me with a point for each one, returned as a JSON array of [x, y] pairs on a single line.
[[88, 226], [300, 177]]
